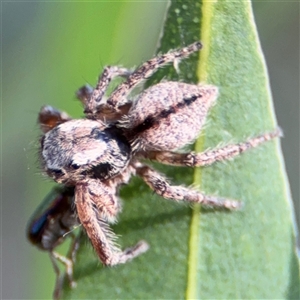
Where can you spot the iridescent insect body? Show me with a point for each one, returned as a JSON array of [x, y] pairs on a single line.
[[53, 222], [99, 153]]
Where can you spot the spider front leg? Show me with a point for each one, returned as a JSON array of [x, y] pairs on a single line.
[[96, 206], [119, 96], [211, 156], [49, 117], [159, 184], [92, 99]]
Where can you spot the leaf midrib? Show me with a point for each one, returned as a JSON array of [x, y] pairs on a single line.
[[193, 256]]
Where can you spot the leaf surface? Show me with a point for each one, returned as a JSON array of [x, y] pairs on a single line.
[[208, 254]]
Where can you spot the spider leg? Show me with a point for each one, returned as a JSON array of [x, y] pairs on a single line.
[[84, 93], [68, 262], [92, 99], [118, 96], [58, 283], [96, 206], [159, 184], [49, 117], [73, 247], [209, 157]]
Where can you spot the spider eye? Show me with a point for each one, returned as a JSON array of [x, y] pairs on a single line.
[[101, 171], [56, 172], [75, 166]]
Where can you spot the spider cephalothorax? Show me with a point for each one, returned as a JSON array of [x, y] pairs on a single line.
[[79, 149], [102, 151]]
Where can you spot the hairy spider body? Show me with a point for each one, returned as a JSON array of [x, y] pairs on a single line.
[[99, 153]]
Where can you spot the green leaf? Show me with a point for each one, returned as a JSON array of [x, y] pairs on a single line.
[[195, 253]]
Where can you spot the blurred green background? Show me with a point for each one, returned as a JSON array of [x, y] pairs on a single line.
[[49, 49]]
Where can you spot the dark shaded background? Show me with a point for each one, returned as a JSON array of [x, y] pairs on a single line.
[[50, 49]]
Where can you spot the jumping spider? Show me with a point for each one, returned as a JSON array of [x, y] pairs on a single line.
[[100, 152]]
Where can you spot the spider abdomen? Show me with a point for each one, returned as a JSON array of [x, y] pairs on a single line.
[[174, 115]]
